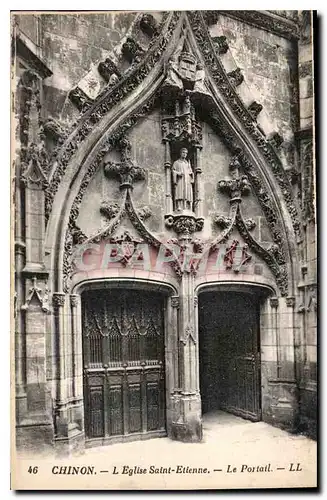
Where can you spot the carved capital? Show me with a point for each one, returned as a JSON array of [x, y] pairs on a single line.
[[175, 301], [273, 302], [107, 69], [290, 301], [43, 298], [184, 225], [149, 25], [74, 300], [109, 210], [58, 299], [276, 140]]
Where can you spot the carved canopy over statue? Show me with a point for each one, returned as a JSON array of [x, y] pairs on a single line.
[[183, 180]]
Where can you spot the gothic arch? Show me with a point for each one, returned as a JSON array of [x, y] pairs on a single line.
[[106, 121]]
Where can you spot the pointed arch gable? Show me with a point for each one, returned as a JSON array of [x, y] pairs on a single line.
[[113, 114]]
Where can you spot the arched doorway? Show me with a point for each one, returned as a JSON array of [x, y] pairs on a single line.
[[123, 356], [230, 352]]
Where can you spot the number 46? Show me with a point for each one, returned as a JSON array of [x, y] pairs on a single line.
[[33, 470]]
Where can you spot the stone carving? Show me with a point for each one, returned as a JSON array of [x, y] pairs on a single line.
[[43, 299], [312, 304], [305, 26], [127, 244], [74, 300], [109, 210], [229, 257], [184, 73], [235, 187], [78, 237], [254, 109], [132, 50], [33, 166], [175, 301], [203, 39], [222, 221], [181, 122], [78, 97], [144, 213], [220, 44], [183, 180], [126, 171], [149, 25], [33, 155], [188, 335], [184, 225], [236, 77], [290, 301], [109, 71], [274, 256], [58, 299], [273, 302], [308, 194], [56, 130], [104, 103], [276, 140], [250, 224], [210, 16]]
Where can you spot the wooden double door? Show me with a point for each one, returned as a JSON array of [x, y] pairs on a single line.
[[123, 353], [230, 353]]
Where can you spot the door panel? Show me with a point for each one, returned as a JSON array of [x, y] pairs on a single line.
[[123, 352], [229, 353]]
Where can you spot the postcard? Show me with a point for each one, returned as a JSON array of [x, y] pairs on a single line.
[[164, 241]]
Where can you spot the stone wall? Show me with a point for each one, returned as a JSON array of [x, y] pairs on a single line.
[[268, 63]]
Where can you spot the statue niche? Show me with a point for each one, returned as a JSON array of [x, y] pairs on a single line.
[[183, 182]]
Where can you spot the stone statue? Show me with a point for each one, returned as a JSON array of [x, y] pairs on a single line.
[[174, 78], [183, 180]]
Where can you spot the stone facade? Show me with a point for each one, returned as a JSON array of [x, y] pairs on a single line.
[[104, 105]]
